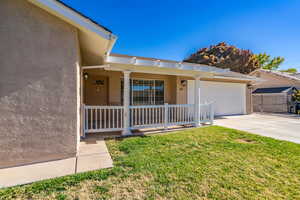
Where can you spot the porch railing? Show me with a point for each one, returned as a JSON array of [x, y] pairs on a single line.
[[161, 115], [103, 118], [147, 116], [206, 113], [111, 118]]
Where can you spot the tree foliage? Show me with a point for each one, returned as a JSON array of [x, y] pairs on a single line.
[[266, 62], [290, 70], [296, 96], [226, 56]]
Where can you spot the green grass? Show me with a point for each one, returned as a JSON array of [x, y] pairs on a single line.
[[205, 163]]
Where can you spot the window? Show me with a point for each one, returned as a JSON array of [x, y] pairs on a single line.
[[145, 92]]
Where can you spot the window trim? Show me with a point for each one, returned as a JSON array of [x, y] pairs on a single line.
[[143, 79]]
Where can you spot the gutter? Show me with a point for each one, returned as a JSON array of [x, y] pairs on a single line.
[[234, 78]]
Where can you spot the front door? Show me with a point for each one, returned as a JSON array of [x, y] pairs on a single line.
[[96, 90]]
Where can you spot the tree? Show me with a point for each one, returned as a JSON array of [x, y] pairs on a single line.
[[290, 70], [296, 96], [226, 56], [266, 62]]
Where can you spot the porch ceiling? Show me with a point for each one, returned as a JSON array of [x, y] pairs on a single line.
[[152, 66]]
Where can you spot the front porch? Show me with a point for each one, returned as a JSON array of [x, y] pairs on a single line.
[[111, 118], [123, 98]]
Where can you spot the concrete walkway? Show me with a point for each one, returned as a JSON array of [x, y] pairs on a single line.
[[93, 155], [278, 126]]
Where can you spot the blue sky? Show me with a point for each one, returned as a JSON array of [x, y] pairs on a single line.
[[170, 29]]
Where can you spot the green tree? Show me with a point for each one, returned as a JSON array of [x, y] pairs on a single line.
[[223, 55], [290, 70], [266, 62], [296, 95]]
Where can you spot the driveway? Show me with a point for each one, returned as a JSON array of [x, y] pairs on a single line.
[[278, 126]]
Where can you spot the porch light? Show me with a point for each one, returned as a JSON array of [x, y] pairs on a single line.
[[86, 76], [183, 83]]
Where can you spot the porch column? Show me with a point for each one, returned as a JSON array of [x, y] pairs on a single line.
[[197, 101], [126, 103]]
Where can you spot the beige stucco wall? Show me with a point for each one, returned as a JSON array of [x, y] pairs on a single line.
[[249, 100], [39, 62], [174, 91]]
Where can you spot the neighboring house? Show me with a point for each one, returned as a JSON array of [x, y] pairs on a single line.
[[59, 81], [272, 94], [274, 79]]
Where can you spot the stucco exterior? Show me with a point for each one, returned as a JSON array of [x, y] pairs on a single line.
[[110, 92], [39, 61]]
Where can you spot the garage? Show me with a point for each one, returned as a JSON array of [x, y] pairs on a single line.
[[228, 98]]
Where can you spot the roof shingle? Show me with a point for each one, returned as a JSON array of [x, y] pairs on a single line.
[[93, 21]]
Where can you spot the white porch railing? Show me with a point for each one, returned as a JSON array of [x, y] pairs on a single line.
[[206, 113], [147, 116], [111, 118], [180, 114], [103, 118]]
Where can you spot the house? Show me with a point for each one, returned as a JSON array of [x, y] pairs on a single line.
[[274, 79], [60, 81], [274, 93]]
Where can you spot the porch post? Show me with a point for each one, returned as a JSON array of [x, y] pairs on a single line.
[[197, 102], [126, 103]]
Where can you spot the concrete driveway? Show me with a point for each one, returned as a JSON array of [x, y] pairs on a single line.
[[278, 126]]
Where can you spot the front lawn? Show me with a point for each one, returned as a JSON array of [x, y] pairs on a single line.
[[205, 163]]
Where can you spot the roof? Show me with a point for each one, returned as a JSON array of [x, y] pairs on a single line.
[[142, 57], [273, 90], [60, 9], [277, 73], [176, 65], [232, 74], [297, 75], [83, 15]]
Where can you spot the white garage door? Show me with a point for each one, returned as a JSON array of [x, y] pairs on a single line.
[[228, 98]]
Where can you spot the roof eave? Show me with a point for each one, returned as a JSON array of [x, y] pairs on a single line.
[[70, 15], [110, 59]]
